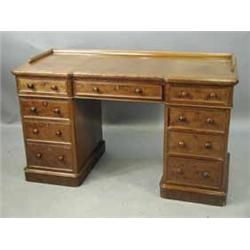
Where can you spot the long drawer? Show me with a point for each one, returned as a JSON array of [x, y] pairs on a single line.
[[194, 172], [49, 156], [117, 89], [47, 130], [196, 144]]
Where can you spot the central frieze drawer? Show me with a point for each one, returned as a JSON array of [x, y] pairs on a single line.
[[121, 90], [50, 131], [49, 156], [196, 144]]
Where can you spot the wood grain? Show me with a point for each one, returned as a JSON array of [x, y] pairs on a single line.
[[117, 89], [205, 67], [196, 118], [60, 93], [43, 86]]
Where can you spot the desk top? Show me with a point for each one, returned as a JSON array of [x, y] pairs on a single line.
[[216, 68]]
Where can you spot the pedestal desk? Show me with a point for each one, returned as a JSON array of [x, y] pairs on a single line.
[[60, 93]]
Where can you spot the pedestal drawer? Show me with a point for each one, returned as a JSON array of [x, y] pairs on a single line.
[[50, 131], [206, 95], [196, 144], [194, 172], [198, 118], [45, 108], [49, 156], [43, 86]]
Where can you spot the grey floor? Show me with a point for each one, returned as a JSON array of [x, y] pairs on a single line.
[[124, 183]]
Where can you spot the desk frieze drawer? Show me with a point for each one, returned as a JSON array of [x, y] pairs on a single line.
[[49, 156], [43, 86], [203, 95], [45, 108], [194, 172], [196, 144], [121, 90], [197, 118], [47, 131]]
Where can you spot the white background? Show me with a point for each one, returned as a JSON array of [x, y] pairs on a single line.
[[124, 15]]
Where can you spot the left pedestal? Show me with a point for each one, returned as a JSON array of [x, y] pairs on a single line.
[[62, 136]]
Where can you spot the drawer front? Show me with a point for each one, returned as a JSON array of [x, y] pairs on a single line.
[[43, 86], [194, 172], [196, 144], [51, 131], [45, 108], [220, 96], [196, 118], [113, 90], [49, 156]]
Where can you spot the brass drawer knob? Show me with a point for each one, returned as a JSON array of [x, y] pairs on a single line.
[[208, 145], [138, 90], [212, 95], [183, 94], [205, 174], [30, 85], [182, 118], [38, 155], [35, 131], [181, 143], [54, 87], [60, 157], [56, 111], [210, 121], [33, 109], [58, 132], [96, 89]]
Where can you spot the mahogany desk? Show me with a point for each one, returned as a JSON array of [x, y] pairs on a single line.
[[63, 136]]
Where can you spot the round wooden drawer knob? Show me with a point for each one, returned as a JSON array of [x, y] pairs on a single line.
[[33, 109], [45, 103], [30, 85], [58, 132], [138, 91], [212, 95], [181, 143], [56, 111], [183, 94], [54, 87], [208, 145], [35, 131], [117, 87], [96, 89], [205, 174], [179, 171], [39, 155], [182, 118], [210, 121], [60, 157]]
